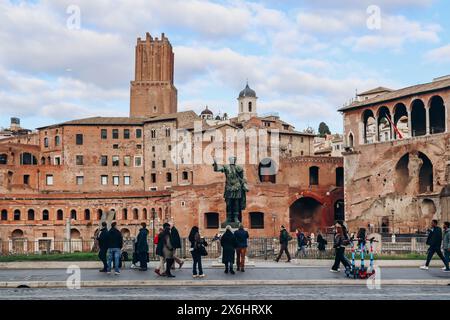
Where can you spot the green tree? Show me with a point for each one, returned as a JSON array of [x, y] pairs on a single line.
[[323, 129]]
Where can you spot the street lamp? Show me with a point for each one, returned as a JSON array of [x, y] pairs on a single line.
[[393, 229], [153, 226], [274, 217]]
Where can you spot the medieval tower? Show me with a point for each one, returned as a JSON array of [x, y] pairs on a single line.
[[152, 91]]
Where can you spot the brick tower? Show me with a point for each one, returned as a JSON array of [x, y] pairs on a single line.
[[152, 91]]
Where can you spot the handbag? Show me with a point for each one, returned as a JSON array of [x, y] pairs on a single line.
[[202, 251]]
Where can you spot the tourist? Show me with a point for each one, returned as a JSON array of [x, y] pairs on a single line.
[[142, 247], [115, 243], [241, 247], [135, 257], [159, 252], [301, 243], [284, 241], [228, 243], [321, 243], [176, 242], [446, 245], [102, 239], [339, 247], [198, 245], [167, 249], [434, 240]]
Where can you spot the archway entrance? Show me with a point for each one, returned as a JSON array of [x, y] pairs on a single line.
[[305, 213]]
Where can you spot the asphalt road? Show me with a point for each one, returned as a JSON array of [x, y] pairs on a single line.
[[234, 293]]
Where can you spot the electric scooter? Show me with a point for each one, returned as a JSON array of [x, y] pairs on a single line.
[[363, 270], [353, 270], [371, 271]]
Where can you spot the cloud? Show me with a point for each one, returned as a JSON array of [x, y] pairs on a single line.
[[439, 55]]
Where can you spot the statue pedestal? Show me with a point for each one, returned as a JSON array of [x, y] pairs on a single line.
[[218, 262]]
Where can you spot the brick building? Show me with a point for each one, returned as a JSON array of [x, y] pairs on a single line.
[[397, 168], [145, 167]]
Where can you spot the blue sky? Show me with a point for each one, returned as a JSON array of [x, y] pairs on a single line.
[[303, 58]]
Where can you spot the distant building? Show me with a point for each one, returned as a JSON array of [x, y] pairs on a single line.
[[14, 130]]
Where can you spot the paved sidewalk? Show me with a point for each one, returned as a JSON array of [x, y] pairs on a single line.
[[263, 274], [258, 264]]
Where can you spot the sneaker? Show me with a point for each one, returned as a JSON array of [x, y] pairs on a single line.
[[232, 272], [170, 276], [238, 269], [157, 272], [133, 266], [117, 273], [226, 271], [202, 276], [242, 270], [424, 268], [446, 270], [103, 270], [181, 264], [195, 276], [108, 272], [334, 271]]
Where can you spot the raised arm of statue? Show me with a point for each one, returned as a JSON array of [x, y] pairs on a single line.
[[217, 168]]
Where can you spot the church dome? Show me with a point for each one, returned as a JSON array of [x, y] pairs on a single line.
[[247, 92], [206, 112]]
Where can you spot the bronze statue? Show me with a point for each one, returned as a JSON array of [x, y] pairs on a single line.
[[235, 190]]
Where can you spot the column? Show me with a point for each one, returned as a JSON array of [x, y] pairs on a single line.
[[377, 130], [427, 117], [410, 133]]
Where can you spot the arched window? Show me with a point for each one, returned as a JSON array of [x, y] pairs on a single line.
[[43, 161], [46, 142], [87, 214], [314, 176], [437, 115], [4, 216], [30, 215], [401, 121], [369, 130], [57, 141], [418, 118], [3, 158], [384, 124], [73, 214], [16, 215], [351, 141], [59, 215], [99, 214], [45, 215], [125, 214], [250, 106], [144, 213], [135, 214]]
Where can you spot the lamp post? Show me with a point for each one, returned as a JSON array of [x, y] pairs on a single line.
[[153, 227], [274, 217], [393, 229]]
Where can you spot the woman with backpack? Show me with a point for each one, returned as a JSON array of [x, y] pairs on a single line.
[[198, 250]]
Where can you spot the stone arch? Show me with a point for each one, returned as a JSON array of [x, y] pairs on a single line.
[[305, 213], [402, 174], [425, 174], [418, 118], [401, 121], [384, 124], [17, 234], [125, 232], [369, 126], [437, 119], [75, 234], [267, 170], [416, 167]]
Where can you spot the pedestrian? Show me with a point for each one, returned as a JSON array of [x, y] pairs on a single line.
[[102, 239], [339, 247], [167, 249], [446, 244], [284, 241], [241, 247], [176, 241], [142, 247], [301, 243], [135, 256], [321, 243], [228, 243], [115, 244], [198, 249], [159, 252], [434, 241]]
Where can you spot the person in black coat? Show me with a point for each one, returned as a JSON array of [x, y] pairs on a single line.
[[228, 243], [142, 247], [102, 239], [115, 244], [434, 240], [176, 241], [198, 245], [321, 242]]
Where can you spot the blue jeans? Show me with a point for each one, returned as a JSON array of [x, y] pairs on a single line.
[[114, 253], [197, 262]]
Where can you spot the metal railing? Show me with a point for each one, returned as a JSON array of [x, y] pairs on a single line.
[[258, 248]]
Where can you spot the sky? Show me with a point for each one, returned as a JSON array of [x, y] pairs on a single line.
[[62, 60]]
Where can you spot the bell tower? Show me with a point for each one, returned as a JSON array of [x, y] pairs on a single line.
[[152, 92]]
